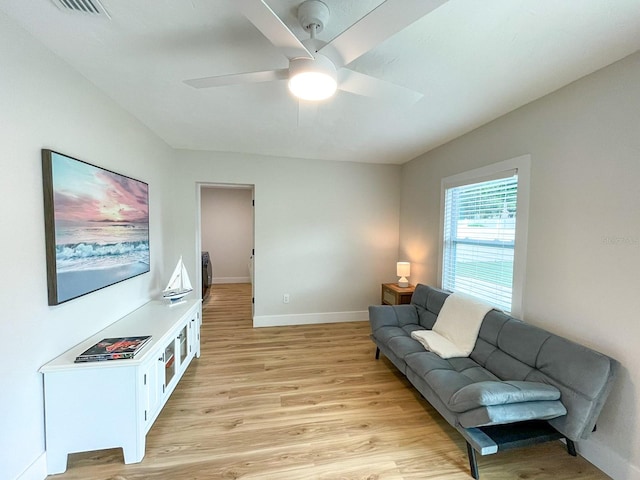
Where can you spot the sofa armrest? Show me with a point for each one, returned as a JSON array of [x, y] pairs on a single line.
[[392, 316], [490, 393]]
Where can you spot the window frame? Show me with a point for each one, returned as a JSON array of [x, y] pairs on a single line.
[[523, 166]]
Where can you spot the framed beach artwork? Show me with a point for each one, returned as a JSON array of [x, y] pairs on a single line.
[[96, 226]]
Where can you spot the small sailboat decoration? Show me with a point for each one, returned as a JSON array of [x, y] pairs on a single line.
[[179, 285]]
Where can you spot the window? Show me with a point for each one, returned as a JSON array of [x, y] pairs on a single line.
[[483, 249]]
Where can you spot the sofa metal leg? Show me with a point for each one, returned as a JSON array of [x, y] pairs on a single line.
[[377, 353], [473, 463], [571, 448]]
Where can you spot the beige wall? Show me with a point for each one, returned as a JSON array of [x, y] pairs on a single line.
[[45, 104], [583, 260], [326, 233]]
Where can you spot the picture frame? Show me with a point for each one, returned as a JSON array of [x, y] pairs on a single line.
[[96, 226]]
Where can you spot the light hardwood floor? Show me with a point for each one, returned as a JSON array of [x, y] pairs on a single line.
[[304, 402]]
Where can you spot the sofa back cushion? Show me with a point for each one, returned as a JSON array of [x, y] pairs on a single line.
[[514, 350], [428, 302]]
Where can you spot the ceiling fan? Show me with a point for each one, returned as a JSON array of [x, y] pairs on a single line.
[[317, 68]]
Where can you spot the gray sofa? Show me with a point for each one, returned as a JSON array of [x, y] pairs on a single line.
[[520, 385]]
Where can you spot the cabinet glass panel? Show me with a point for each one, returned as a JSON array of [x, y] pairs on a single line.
[[169, 362], [183, 343]]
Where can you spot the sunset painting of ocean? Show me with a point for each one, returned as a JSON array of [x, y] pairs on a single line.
[[101, 223]]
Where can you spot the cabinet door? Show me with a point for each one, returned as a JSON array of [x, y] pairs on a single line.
[[194, 334], [191, 335], [152, 382]]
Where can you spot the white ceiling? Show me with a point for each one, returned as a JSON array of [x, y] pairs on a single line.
[[473, 61]]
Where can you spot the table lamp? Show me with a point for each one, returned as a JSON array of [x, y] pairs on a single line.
[[403, 270]]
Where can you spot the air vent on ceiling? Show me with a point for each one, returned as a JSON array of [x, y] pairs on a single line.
[[90, 7]]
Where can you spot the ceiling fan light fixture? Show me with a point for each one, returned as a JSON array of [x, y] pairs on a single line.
[[312, 79]]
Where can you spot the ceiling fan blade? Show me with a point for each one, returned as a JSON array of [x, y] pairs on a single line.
[[239, 78], [366, 85], [381, 23], [265, 20]]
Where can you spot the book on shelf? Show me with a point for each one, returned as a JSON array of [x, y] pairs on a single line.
[[113, 349]]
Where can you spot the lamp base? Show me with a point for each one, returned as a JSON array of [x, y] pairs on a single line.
[[403, 282]]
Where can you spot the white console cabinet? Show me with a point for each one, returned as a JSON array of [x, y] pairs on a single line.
[[110, 404]]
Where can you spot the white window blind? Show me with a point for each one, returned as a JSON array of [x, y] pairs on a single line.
[[479, 239]]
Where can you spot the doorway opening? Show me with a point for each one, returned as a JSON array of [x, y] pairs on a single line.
[[226, 235]]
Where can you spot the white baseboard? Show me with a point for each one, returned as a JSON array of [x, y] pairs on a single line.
[[215, 280], [309, 318], [608, 461], [37, 470]]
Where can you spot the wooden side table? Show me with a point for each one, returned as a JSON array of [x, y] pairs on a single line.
[[392, 294]]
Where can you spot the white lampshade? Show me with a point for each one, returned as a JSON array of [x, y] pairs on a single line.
[[312, 78], [403, 270]]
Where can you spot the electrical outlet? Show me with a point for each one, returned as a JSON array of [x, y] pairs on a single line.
[[285, 298]]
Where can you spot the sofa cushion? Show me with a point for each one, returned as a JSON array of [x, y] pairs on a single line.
[[478, 396], [423, 363], [427, 302], [402, 346], [484, 394], [384, 334], [446, 377], [392, 316]]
